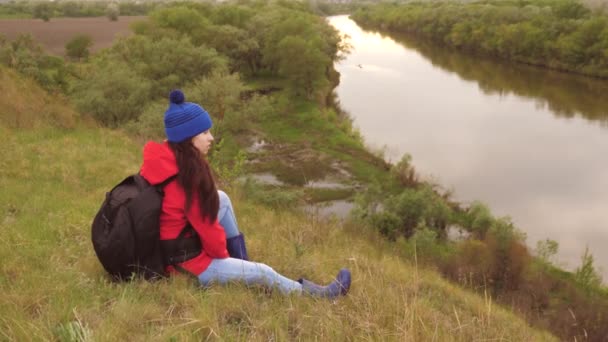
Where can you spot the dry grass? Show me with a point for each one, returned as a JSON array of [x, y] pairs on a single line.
[[24, 105]]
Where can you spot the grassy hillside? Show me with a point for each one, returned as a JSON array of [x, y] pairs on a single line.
[[53, 288], [25, 105]]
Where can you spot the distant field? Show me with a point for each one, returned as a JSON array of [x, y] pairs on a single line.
[[53, 35]]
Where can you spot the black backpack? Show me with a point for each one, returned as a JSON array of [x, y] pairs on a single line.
[[126, 232]]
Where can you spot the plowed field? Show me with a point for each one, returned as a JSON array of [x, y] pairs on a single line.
[[53, 35]]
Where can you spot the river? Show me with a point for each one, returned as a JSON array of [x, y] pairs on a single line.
[[530, 143]]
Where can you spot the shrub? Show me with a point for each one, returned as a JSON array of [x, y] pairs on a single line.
[[586, 274], [404, 171], [477, 219], [546, 250], [43, 10], [219, 92], [78, 47], [149, 125], [112, 11], [274, 197], [113, 95], [166, 63], [471, 264], [28, 58]]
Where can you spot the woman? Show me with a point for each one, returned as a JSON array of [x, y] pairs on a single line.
[[193, 209]]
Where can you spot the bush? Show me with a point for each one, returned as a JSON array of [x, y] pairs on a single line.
[[112, 11], [219, 93], [113, 95], [28, 58], [586, 274], [166, 63], [404, 172], [43, 10], [78, 47], [149, 125]]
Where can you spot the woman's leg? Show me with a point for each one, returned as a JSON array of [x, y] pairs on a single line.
[[226, 216], [227, 270], [235, 241]]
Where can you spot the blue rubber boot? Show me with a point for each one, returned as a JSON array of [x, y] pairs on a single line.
[[338, 287], [236, 247]]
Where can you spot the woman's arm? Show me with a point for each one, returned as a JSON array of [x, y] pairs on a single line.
[[213, 236]]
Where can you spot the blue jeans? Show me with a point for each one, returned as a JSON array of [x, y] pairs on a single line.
[[227, 270], [226, 216]]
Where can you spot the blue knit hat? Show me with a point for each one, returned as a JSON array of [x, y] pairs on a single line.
[[183, 120]]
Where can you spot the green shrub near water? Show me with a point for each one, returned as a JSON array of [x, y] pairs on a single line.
[[493, 259]]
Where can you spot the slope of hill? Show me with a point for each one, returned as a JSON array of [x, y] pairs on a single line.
[[53, 180], [25, 105]]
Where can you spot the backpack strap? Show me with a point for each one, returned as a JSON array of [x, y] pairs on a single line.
[[182, 248], [166, 182]]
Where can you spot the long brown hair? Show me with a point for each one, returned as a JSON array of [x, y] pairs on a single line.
[[196, 178]]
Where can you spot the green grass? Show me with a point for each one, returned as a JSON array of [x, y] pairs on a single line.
[[53, 288], [306, 140], [328, 194]]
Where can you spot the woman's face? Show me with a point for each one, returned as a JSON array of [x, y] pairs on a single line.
[[203, 141]]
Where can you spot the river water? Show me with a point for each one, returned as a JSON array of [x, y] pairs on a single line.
[[530, 143]]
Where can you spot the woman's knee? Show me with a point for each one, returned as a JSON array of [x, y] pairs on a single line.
[[224, 199], [265, 272]]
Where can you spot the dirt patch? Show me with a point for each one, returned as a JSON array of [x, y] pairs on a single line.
[[53, 35]]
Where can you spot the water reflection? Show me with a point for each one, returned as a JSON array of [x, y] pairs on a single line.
[[566, 95]]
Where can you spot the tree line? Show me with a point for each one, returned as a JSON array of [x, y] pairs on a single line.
[[559, 34], [567, 95], [46, 10]]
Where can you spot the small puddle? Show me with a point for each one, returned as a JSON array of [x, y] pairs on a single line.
[[326, 185], [257, 146]]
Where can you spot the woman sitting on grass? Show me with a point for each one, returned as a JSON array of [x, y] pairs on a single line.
[[192, 200]]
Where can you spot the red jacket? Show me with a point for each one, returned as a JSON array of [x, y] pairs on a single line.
[[160, 164]]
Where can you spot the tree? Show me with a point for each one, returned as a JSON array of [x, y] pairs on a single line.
[[69, 8], [167, 63], [303, 64], [43, 10], [546, 250], [113, 95], [586, 274], [112, 11], [220, 92], [78, 47]]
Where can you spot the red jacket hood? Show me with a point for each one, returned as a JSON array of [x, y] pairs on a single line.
[[159, 162]]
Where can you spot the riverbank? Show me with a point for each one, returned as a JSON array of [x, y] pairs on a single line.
[[502, 133], [563, 35], [458, 132]]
